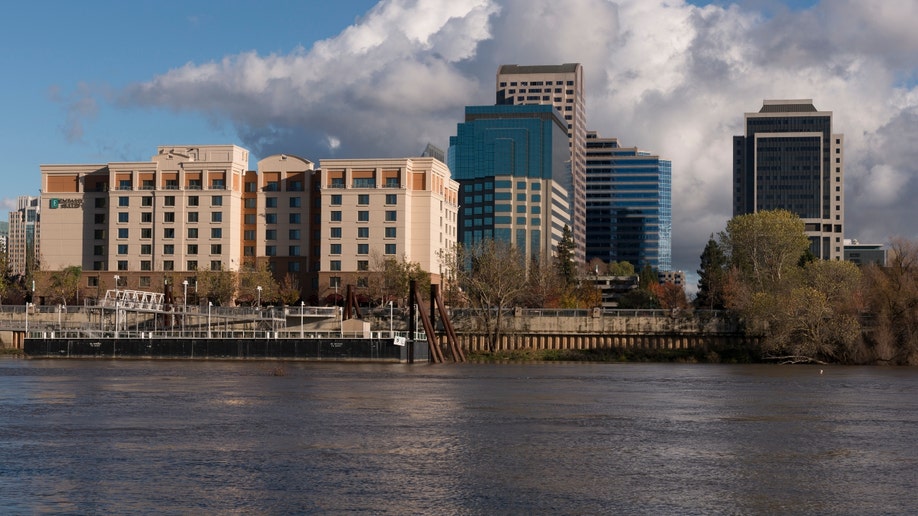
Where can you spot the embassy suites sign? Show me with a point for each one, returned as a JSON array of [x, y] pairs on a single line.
[[65, 203]]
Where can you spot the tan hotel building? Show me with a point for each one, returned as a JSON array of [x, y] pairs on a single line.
[[192, 208]]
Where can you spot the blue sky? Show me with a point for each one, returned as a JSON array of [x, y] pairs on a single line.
[[100, 81]]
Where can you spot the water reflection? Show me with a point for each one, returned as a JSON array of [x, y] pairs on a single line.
[[218, 437]]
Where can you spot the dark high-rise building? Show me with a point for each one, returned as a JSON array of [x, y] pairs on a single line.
[[629, 205], [790, 159]]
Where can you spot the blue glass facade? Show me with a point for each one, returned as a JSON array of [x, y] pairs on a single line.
[[629, 205], [512, 165]]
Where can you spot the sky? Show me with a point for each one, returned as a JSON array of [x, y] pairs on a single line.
[[105, 81]]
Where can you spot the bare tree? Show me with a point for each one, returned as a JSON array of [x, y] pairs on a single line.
[[494, 278], [891, 295]]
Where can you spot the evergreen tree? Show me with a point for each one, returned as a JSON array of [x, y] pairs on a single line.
[[564, 259], [711, 277]]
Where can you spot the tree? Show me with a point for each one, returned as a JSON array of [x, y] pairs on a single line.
[[765, 246], [289, 289], [622, 268], [670, 296], [649, 277], [63, 285], [494, 280], [392, 278], [891, 297], [564, 257], [712, 277], [253, 276], [217, 286], [544, 288]]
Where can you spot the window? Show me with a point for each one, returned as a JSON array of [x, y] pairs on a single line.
[[392, 182], [122, 249], [293, 266], [336, 216], [99, 218], [146, 249], [334, 265], [336, 200], [146, 265], [192, 216], [216, 249], [216, 232], [193, 200], [123, 216], [217, 184], [271, 186], [123, 202], [168, 265], [146, 233], [192, 265], [391, 199], [147, 184], [294, 186], [216, 200], [168, 232], [194, 184], [335, 232], [363, 199], [171, 184], [216, 216], [270, 218], [97, 266], [270, 234], [363, 232], [248, 250], [216, 265], [100, 202], [293, 234], [251, 186], [249, 218], [294, 218], [295, 202], [123, 232], [391, 232], [251, 203], [192, 232], [192, 248], [363, 265], [98, 250], [335, 249], [270, 250], [124, 184], [146, 216], [391, 215], [248, 234], [169, 249], [363, 248], [293, 250], [363, 216], [390, 248], [334, 281], [122, 265], [99, 234], [169, 200], [270, 202]]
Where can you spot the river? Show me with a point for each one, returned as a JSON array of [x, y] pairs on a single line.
[[208, 437]]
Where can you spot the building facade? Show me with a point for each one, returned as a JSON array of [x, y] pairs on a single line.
[[511, 165], [23, 241], [560, 86], [374, 210], [790, 159], [629, 205], [147, 221], [862, 254]]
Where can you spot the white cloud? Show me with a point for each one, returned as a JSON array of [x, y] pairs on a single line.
[[666, 76]]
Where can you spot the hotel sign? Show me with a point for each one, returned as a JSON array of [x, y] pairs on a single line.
[[66, 203]]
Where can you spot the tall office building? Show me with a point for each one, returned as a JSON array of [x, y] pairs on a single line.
[[510, 162], [629, 205], [790, 159], [23, 246], [560, 86]]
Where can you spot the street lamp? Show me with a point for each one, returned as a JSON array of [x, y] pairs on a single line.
[[184, 304], [302, 307], [258, 288], [390, 319], [209, 304], [117, 280]]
